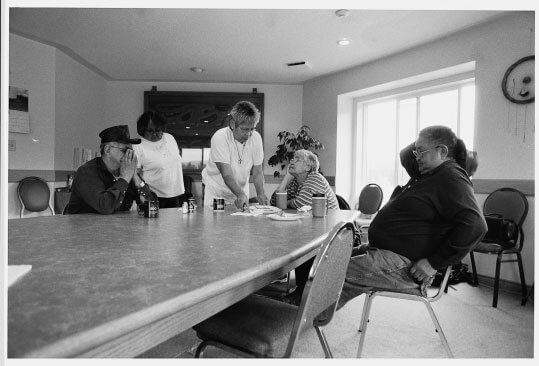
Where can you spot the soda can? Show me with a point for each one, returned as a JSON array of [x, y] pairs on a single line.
[[219, 204], [152, 209], [191, 205]]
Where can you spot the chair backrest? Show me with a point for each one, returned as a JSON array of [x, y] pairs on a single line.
[[511, 204], [370, 199], [343, 205], [34, 195], [325, 280]]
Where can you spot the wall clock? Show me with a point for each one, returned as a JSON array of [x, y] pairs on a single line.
[[518, 84]]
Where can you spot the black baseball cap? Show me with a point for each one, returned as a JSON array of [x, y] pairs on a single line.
[[117, 134]]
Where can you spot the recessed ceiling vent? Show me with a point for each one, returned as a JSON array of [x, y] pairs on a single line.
[[300, 65]]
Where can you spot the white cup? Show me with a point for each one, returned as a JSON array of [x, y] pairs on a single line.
[[281, 200]]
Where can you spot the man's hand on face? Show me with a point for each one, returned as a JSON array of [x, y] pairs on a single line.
[[422, 271], [128, 165]]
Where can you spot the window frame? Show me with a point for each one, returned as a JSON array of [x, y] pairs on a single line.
[[360, 163]]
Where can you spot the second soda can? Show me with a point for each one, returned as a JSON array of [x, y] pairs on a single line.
[[191, 205]]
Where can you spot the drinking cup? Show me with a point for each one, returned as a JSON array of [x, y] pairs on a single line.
[[281, 200]]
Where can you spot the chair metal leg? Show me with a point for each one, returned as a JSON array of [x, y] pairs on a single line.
[[364, 321], [474, 270], [438, 328], [288, 283], [497, 280], [522, 279], [200, 349], [323, 342]]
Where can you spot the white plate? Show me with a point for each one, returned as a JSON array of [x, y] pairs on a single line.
[[285, 217], [266, 209]]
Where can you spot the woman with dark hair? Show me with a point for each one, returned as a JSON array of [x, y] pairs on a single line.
[[159, 160]]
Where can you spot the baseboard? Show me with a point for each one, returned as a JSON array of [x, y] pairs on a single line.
[[505, 286]]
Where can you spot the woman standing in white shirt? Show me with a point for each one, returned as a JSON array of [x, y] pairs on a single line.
[[159, 160]]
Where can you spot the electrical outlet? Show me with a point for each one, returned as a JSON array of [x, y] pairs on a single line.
[[12, 146]]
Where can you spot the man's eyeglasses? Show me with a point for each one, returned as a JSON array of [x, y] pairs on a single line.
[[420, 154], [122, 149], [157, 130]]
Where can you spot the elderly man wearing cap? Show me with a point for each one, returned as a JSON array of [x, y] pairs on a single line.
[[108, 183]]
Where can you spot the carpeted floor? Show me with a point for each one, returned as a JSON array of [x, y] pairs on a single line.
[[403, 329]]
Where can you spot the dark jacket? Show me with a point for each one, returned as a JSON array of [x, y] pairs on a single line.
[[96, 190], [435, 216]]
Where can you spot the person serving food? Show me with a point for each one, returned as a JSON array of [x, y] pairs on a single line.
[[236, 153]]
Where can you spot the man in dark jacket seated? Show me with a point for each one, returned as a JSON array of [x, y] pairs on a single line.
[[431, 223], [109, 183]]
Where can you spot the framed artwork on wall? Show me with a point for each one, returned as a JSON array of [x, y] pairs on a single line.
[[19, 119]]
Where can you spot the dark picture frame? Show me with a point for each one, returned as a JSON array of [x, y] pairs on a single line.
[[193, 117]]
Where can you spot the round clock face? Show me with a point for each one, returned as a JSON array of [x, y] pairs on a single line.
[[518, 83]]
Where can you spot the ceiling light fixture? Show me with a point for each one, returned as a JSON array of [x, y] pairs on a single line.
[[341, 13], [343, 42], [197, 69]]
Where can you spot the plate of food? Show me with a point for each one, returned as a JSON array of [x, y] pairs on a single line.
[[285, 216], [265, 209]]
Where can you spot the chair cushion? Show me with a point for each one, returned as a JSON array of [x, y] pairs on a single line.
[[256, 324], [484, 247]]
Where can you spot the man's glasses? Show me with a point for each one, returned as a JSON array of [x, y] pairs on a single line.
[[122, 149], [420, 154], [157, 130]]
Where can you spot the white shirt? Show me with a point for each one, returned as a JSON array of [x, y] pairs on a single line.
[[225, 149], [161, 165]]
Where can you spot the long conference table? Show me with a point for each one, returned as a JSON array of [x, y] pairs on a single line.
[[118, 285]]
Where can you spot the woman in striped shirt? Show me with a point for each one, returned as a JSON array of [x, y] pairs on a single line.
[[302, 180]]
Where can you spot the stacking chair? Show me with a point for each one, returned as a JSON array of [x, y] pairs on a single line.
[[370, 199], [34, 195], [399, 295], [263, 327], [510, 204], [343, 205]]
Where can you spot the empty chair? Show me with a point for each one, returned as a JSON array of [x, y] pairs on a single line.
[[370, 199], [510, 204], [399, 295], [34, 195], [263, 327], [343, 205]]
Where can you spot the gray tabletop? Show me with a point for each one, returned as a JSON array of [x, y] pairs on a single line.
[[97, 278]]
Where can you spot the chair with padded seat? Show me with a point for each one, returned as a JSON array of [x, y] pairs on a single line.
[[369, 296], [511, 204], [34, 195], [343, 205], [370, 199], [264, 327]]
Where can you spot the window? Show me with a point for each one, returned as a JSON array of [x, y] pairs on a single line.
[[388, 124], [195, 158]]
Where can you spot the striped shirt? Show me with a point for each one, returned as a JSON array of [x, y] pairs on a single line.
[[302, 195]]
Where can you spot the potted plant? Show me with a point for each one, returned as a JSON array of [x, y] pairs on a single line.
[[290, 143]]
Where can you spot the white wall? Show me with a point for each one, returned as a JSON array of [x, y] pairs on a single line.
[[32, 67], [282, 105], [80, 110], [494, 46]]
